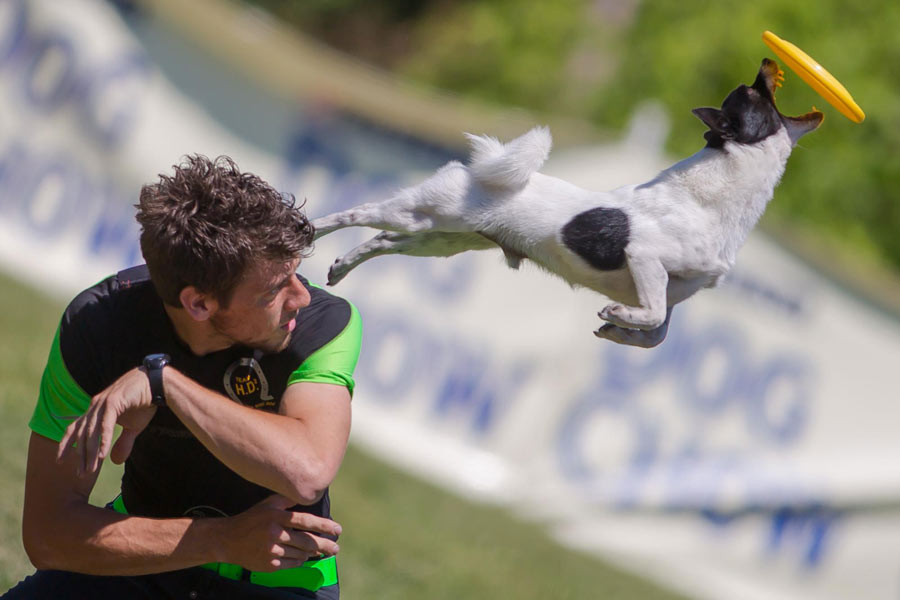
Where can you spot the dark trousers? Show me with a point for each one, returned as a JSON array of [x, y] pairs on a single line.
[[188, 584]]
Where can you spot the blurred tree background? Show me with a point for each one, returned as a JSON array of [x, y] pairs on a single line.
[[597, 59]]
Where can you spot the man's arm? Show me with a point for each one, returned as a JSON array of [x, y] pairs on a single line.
[[295, 453], [62, 531]]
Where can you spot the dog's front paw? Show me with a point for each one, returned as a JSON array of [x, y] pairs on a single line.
[[339, 269], [632, 317], [617, 314]]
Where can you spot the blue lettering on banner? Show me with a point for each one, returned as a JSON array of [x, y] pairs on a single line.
[[52, 74], [464, 382], [11, 37], [475, 386], [49, 193], [47, 83], [791, 373], [113, 97], [51, 196], [393, 336], [800, 530], [722, 347], [713, 378], [308, 146], [11, 171], [805, 527], [115, 230], [639, 457]]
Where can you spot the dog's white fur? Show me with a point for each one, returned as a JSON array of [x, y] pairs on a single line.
[[686, 225]]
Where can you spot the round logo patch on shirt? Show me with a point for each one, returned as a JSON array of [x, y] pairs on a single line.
[[245, 383]]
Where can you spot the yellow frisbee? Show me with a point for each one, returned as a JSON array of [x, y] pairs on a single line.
[[815, 76]]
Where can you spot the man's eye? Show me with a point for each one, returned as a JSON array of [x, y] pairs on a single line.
[[274, 291]]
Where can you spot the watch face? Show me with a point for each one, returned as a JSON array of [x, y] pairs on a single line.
[[156, 361]]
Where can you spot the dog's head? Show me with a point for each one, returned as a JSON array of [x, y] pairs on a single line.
[[748, 115]]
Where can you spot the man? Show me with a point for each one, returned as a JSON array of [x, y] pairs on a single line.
[[231, 377]]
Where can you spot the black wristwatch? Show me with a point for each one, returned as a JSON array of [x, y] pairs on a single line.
[[154, 364]]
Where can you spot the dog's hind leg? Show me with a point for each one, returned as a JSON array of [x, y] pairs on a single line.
[[432, 243], [394, 215], [438, 200], [642, 338]]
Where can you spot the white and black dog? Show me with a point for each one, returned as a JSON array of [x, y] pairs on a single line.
[[647, 247]]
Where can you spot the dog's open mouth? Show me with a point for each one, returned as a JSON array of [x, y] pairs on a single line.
[[770, 78]]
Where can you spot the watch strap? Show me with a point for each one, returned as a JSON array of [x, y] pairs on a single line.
[[157, 392], [155, 363]]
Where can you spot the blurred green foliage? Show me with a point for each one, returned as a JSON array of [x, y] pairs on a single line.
[[503, 51], [843, 179], [597, 59]]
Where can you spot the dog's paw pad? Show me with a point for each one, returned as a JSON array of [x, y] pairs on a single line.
[[630, 337], [605, 332]]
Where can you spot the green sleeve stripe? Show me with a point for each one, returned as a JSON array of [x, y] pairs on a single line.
[[60, 400], [335, 361]]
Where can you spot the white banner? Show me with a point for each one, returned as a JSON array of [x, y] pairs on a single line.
[[751, 456]]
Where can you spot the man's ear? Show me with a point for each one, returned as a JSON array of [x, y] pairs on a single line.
[[716, 120], [198, 305]]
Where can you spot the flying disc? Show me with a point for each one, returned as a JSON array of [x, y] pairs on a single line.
[[815, 76]]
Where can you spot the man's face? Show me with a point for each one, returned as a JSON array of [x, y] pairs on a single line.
[[263, 310]]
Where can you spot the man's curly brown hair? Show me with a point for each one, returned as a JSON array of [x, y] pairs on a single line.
[[208, 223]]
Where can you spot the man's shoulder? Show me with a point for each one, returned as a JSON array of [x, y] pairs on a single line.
[[101, 329], [112, 298], [324, 319]]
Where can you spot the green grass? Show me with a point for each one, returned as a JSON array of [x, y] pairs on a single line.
[[402, 538]]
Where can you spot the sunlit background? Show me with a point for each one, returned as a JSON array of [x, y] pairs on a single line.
[[754, 455]]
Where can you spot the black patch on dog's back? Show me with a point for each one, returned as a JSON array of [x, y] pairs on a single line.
[[599, 236]]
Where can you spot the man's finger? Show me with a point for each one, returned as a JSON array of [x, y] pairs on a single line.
[[78, 445], [312, 545], [91, 441], [309, 522], [107, 427], [96, 429]]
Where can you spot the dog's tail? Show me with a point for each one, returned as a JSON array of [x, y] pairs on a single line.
[[508, 166]]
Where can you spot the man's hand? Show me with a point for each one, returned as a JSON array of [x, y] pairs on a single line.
[[267, 537], [126, 402]]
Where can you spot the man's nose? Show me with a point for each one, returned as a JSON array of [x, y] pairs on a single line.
[[298, 298]]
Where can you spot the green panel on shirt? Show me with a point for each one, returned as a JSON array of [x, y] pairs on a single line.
[[335, 361], [60, 400]]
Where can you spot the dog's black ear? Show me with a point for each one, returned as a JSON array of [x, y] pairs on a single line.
[[717, 122]]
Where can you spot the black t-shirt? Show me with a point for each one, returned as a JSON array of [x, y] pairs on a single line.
[[110, 327]]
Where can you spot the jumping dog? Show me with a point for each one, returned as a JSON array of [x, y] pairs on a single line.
[[646, 246]]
